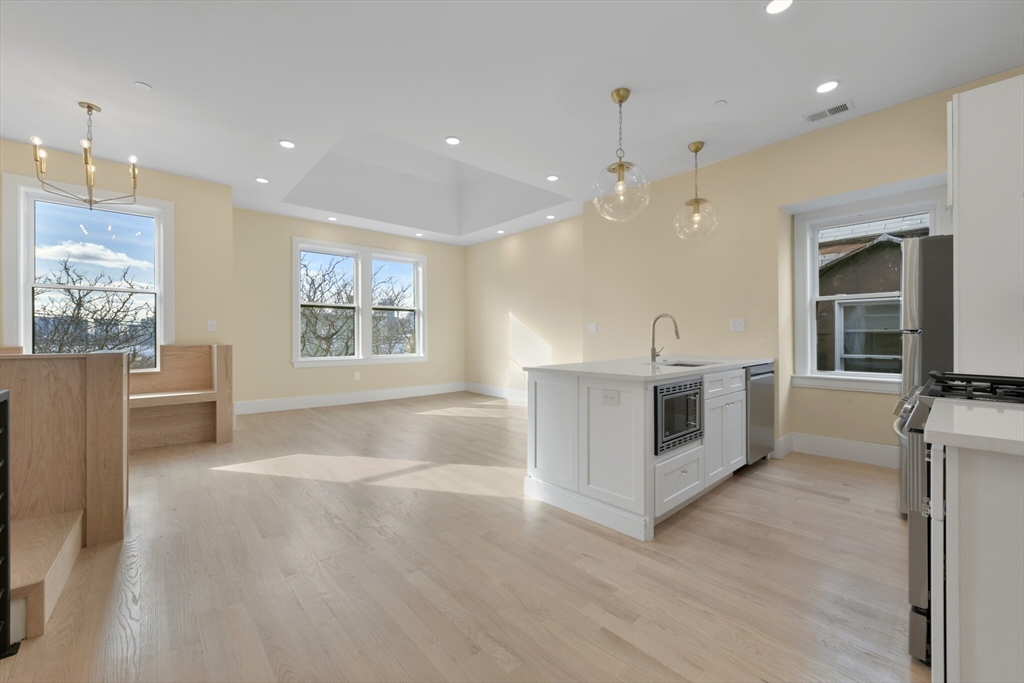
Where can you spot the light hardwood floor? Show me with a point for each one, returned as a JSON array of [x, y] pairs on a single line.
[[392, 541]]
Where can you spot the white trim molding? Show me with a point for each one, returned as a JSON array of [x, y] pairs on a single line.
[[19, 193], [882, 455], [589, 509], [487, 389], [873, 384], [273, 405]]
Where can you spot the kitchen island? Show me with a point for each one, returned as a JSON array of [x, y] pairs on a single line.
[[593, 449]]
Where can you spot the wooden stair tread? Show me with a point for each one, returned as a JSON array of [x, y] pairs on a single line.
[[171, 398], [35, 544]]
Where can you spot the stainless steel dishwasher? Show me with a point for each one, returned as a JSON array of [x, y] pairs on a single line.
[[760, 411]]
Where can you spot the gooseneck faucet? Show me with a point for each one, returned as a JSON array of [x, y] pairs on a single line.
[[655, 351]]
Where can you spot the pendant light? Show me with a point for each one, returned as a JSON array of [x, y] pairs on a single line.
[[696, 220], [621, 190]]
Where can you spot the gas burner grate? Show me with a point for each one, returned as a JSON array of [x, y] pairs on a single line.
[[977, 387]]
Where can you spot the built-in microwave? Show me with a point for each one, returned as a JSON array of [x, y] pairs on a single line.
[[678, 414]]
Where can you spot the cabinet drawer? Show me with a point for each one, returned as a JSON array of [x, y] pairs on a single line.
[[678, 479], [722, 383]]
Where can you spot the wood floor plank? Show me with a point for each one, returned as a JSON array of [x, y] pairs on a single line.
[[392, 542]]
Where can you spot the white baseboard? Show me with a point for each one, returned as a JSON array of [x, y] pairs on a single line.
[[271, 405], [487, 389], [588, 508], [841, 449], [783, 446]]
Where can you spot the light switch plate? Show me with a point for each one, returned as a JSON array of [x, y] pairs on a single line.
[[592, 328], [610, 398], [737, 324], [211, 325], [356, 374]]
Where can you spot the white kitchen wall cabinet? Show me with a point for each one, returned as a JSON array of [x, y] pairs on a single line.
[[986, 179]]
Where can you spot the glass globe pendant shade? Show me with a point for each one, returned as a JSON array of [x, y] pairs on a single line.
[[696, 220], [621, 191]]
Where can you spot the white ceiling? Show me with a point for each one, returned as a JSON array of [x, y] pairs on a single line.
[[524, 84]]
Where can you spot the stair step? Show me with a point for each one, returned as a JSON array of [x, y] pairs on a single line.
[[43, 551]]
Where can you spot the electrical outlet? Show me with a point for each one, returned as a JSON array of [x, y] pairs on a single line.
[[211, 325], [737, 324], [592, 328], [356, 374], [610, 398]]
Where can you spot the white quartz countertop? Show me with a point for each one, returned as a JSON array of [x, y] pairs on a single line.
[[979, 425], [641, 368]]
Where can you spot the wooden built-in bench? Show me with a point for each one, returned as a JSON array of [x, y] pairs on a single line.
[[189, 399]]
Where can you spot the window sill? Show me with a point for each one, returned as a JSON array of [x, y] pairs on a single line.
[[877, 385], [335, 362]]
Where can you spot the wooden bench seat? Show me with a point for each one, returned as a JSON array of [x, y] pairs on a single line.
[[188, 400], [43, 551], [171, 398]]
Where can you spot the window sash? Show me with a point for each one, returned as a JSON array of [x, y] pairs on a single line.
[[364, 309], [839, 302]]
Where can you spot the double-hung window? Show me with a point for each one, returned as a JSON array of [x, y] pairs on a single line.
[[79, 280], [849, 294], [354, 304]]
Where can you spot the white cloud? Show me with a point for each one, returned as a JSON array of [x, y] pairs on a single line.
[[84, 252]]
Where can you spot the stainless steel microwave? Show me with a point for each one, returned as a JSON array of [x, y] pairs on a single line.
[[678, 414]]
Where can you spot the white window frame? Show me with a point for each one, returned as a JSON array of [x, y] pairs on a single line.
[[363, 274], [19, 196], [806, 227]]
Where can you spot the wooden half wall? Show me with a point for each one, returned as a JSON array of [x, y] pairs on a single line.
[[69, 438]]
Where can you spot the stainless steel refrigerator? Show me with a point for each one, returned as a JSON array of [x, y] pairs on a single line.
[[927, 332]]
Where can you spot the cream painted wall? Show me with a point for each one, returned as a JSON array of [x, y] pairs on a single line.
[[633, 271], [536, 276], [202, 235], [263, 312]]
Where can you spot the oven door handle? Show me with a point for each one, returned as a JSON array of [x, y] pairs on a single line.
[[695, 422]]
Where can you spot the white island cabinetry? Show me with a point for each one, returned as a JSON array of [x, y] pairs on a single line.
[[591, 442]]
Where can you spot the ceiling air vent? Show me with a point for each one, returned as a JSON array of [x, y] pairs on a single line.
[[831, 111]]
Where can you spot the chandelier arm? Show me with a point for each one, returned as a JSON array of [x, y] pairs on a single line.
[[53, 189], [116, 200]]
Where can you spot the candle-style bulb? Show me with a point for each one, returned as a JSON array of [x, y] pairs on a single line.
[[42, 154], [85, 143], [36, 140], [133, 159]]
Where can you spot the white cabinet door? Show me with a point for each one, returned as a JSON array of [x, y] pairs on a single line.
[[722, 383], [612, 442], [988, 229], [734, 432], [714, 445], [552, 446]]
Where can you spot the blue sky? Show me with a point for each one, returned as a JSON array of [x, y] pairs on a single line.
[[401, 272], [97, 242]]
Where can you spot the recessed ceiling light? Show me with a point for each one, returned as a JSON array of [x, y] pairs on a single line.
[[262, 180], [828, 87], [552, 178], [550, 218], [776, 6], [331, 218], [143, 86], [287, 144], [452, 140], [501, 232], [419, 234]]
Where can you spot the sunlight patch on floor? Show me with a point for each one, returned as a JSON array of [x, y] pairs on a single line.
[[477, 480]]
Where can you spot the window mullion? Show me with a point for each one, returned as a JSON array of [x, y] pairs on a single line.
[[364, 297]]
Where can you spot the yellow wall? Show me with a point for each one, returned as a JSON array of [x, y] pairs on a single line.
[[202, 234], [263, 312], [633, 271]]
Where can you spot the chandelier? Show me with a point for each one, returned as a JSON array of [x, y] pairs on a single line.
[[90, 168]]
